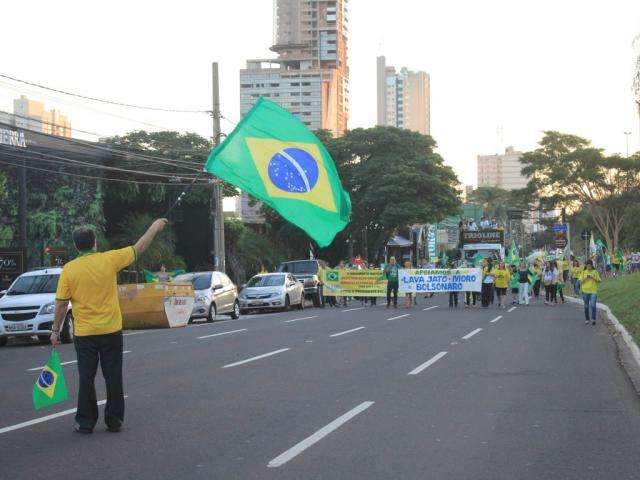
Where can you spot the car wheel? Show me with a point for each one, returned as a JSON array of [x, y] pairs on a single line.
[[236, 311], [66, 332], [211, 316], [3, 341], [287, 304]]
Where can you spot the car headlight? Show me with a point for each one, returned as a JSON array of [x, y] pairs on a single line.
[[201, 299], [48, 309]]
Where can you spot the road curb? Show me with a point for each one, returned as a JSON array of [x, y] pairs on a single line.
[[623, 338]]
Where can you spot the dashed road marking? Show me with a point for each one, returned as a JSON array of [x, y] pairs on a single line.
[[222, 333], [351, 310], [300, 319], [511, 309], [253, 359], [427, 364], [429, 308], [317, 436], [471, 334], [496, 319], [346, 331], [65, 363], [398, 317]]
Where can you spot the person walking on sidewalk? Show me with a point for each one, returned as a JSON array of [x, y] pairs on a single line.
[[90, 283], [391, 275], [589, 280]]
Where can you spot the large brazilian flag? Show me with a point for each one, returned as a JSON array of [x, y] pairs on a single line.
[[275, 158]]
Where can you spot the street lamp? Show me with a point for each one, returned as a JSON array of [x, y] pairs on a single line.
[[626, 134]]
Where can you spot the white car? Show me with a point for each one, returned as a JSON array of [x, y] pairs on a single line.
[[272, 291], [215, 294], [28, 306]]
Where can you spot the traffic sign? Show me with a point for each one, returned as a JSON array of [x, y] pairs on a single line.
[[560, 227]]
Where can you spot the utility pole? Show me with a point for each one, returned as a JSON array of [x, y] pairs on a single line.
[[217, 214], [22, 205]]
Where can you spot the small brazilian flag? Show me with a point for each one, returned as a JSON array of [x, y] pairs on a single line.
[[275, 158], [50, 388]]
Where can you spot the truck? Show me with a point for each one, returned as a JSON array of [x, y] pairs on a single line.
[[482, 243]]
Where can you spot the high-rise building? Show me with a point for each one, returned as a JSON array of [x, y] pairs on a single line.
[[31, 115], [310, 75], [403, 98], [501, 171], [636, 78]]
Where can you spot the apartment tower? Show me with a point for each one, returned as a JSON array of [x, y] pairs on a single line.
[[501, 171], [31, 115], [309, 76], [403, 98]]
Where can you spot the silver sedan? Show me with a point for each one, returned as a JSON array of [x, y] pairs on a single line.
[[272, 291]]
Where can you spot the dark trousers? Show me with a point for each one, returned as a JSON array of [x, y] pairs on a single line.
[[106, 349], [536, 289], [453, 299], [487, 294], [469, 296], [550, 293], [392, 287]]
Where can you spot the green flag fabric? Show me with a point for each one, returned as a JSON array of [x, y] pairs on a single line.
[[50, 387], [275, 158], [512, 256], [152, 277]]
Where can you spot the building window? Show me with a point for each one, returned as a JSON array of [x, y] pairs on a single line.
[[274, 84], [306, 94], [295, 84], [306, 84], [295, 94], [246, 85]]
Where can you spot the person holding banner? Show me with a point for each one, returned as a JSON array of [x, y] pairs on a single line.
[[502, 280], [391, 275], [487, 282]]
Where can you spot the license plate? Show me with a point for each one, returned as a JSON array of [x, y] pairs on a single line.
[[256, 303], [17, 327]]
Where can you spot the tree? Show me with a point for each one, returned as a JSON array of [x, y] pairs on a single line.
[[161, 251], [493, 200], [566, 171], [395, 180]]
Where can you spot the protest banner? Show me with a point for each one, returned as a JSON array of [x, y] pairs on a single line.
[[354, 283], [440, 280]]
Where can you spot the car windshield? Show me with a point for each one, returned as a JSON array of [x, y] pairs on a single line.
[[308, 266], [202, 282], [266, 281], [34, 284]]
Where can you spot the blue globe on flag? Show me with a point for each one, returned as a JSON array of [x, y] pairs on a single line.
[[293, 170]]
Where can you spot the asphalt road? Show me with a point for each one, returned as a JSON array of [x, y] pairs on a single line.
[[344, 394]]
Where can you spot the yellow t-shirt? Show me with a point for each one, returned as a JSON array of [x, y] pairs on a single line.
[[576, 272], [90, 283], [589, 280], [564, 265], [503, 277]]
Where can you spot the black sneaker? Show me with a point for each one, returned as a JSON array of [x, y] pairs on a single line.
[[593, 323], [83, 430]]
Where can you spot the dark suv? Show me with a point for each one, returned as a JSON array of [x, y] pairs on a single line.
[[307, 272]]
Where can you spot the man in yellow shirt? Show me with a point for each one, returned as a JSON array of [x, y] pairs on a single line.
[[90, 283], [589, 280]]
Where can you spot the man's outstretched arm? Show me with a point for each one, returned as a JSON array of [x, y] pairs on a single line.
[[145, 240]]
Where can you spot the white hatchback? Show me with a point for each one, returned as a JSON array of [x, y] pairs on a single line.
[[28, 306]]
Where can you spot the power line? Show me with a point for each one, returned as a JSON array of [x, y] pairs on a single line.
[[128, 153], [93, 177], [100, 100], [70, 162]]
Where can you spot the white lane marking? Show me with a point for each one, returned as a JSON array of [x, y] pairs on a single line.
[[133, 333], [496, 319], [511, 309], [351, 310], [319, 435], [427, 364], [35, 421], [471, 334], [345, 332], [454, 343], [253, 359], [399, 316], [222, 333], [300, 319], [65, 363], [430, 308]]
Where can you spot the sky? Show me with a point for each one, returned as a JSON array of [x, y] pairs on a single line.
[[502, 71]]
